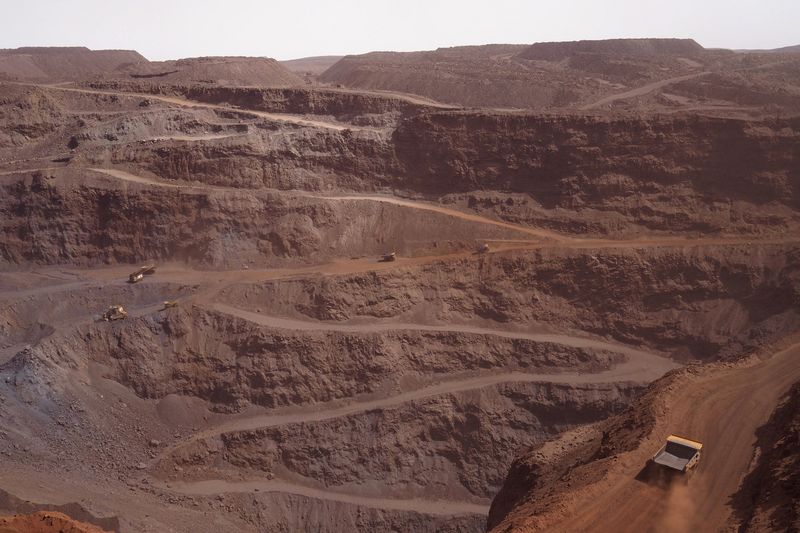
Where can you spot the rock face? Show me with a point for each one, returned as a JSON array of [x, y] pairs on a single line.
[[278, 368], [575, 159], [631, 295], [538, 479], [577, 174], [769, 498]]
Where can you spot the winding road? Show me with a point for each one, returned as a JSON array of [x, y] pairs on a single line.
[[544, 238], [721, 408], [642, 360], [640, 366]]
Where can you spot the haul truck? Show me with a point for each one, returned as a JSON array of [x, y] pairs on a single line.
[[140, 273], [679, 454]]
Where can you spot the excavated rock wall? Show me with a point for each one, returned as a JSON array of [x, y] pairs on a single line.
[[769, 497], [232, 363], [701, 302], [587, 161], [447, 445], [81, 217]]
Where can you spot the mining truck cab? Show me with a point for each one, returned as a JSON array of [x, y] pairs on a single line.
[[679, 454], [389, 257], [115, 312], [170, 303], [483, 248]]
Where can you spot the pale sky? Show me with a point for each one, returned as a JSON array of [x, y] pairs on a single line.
[[288, 29]]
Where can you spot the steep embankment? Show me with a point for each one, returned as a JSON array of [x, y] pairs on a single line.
[[50, 220], [245, 363], [45, 522], [769, 498], [667, 174], [699, 302], [342, 104], [575, 174], [22, 516]]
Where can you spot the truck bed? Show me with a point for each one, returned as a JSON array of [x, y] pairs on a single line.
[[675, 456], [667, 459]]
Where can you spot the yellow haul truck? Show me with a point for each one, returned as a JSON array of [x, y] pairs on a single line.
[[679, 454]]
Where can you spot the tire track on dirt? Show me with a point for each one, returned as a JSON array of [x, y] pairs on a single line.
[[417, 505]]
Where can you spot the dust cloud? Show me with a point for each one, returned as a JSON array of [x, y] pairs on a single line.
[[679, 510]]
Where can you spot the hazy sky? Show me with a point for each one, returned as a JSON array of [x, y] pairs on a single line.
[[286, 29]]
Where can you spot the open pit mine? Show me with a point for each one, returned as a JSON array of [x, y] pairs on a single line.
[[551, 287]]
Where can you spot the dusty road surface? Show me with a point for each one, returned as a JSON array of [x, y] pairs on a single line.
[[721, 409]]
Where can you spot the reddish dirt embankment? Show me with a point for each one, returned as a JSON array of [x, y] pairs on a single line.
[[45, 522], [31, 517]]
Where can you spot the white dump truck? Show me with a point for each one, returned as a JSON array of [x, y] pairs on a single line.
[[679, 454]]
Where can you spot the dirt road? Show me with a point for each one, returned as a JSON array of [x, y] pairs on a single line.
[[196, 138], [135, 178], [640, 366], [540, 238], [417, 505], [722, 409], [183, 102], [640, 91], [634, 372], [639, 358], [443, 210], [545, 237]]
